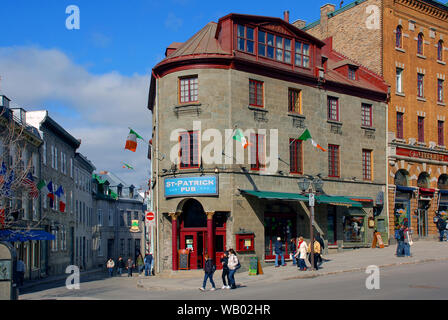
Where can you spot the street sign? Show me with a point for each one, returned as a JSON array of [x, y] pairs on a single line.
[[311, 199], [149, 216]]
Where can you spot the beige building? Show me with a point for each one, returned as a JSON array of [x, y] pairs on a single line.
[[272, 81]]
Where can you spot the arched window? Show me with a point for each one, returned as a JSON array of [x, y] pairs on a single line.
[[423, 180], [401, 178], [442, 183], [440, 51], [420, 43], [399, 37]]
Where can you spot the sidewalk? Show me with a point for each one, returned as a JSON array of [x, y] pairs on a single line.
[[349, 261]]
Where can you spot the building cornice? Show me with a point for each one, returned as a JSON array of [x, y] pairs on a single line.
[[428, 7]]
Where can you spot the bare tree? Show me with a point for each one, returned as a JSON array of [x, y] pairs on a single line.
[[16, 138]]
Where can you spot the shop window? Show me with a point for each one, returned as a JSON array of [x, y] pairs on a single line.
[[401, 214], [353, 228]]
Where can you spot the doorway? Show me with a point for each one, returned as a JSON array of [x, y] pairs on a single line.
[[422, 219]]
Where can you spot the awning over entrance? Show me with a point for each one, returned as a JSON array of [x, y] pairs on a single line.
[[275, 195], [333, 200], [338, 201], [24, 235]]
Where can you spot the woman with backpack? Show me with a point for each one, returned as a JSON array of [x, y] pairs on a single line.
[[209, 269], [233, 265]]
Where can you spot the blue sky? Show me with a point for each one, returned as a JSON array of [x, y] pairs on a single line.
[[94, 81]]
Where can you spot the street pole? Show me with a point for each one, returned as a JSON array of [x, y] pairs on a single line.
[[312, 234]]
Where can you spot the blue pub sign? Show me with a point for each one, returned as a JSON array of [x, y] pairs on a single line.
[[191, 186]]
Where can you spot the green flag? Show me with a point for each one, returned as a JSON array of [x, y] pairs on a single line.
[[41, 184], [305, 136], [136, 134], [239, 136], [113, 195]]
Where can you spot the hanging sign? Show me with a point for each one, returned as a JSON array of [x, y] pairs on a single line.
[[135, 226]]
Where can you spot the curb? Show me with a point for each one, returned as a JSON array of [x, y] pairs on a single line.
[[315, 275], [57, 278]]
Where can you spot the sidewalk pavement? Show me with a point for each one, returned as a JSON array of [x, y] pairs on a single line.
[[356, 260]]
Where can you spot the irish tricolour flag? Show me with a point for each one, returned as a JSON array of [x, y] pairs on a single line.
[[131, 141], [306, 135], [239, 136]]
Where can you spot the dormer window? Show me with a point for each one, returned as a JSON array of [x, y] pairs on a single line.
[[245, 39], [302, 55], [351, 73]]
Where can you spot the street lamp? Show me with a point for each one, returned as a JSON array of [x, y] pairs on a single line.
[[311, 187]]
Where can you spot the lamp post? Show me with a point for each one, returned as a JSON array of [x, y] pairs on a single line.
[[311, 187]]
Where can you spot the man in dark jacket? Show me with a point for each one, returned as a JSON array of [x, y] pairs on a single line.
[[278, 250], [441, 225], [148, 264], [225, 271], [120, 266], [322, 246], [209, 269]]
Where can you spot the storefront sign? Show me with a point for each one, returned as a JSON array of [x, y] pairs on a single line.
[[191, 186], [422, 155], [135, 226]]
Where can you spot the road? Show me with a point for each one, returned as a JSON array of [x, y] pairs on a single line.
[[415, 281]]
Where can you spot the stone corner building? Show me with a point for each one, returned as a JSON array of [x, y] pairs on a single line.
[[408, 47], [272, 81]]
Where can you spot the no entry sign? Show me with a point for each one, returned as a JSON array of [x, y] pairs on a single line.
[[149, 216]]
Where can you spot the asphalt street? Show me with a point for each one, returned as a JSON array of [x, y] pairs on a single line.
[[404, 282]]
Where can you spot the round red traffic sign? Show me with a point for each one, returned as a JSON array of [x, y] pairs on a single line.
[[149, 216]]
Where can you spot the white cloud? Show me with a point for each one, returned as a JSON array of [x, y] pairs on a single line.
[[107, 104]]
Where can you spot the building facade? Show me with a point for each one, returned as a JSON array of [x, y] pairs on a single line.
[[407, 40], [57, 170], [119, 227], [270, 80], [83, 199]]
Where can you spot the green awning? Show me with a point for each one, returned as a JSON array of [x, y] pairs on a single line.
[[338, 201], [275, 195]]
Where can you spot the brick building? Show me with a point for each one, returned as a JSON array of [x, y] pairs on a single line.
[[263, 76], [403, 40]]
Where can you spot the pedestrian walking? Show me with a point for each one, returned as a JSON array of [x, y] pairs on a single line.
[[292, 250], [399, 236], [441, 226], [110, 266], [148, 264], [233, 265], [322, 247], [120, 266], [20, 272], [301, 254], [140, 263], [279, 252], [316, 253], [129, 266], [225, 271], [209, 270], [407, 241]]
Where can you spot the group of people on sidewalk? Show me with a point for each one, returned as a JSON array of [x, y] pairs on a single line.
[[230, 264], [299, 251], [129, 265]]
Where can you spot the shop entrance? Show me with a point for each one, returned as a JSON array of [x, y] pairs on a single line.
[[283, 225], [422, 219]]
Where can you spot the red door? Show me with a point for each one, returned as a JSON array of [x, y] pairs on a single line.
[[196, 242]]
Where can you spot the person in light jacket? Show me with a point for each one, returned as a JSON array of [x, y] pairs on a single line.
[[316, 253], [233, 265], [110, 266], [301, 254]]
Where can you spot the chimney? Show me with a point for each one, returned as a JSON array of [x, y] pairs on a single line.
[[324, 11], [299, 24], [286, 16]]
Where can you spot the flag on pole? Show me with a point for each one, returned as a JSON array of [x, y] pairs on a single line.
[[41, 184], [239, 136], [306, 135], [131, 141], [126, 166], [50, 187], [59, 192], [29, 182]]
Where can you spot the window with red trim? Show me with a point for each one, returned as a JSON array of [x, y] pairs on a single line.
[[188, 89], [421, 129], [333, 161], [420, 43], [439, 90], [255, 93], [294, 101], [351, 73], [295, 156], [366, 115], [398, 37], [333, 109], [245, 38], [257, 152], [420, 85], [440, 133], [302, 54], [367, 164], [399, 125], [440, 50], [189, 149]]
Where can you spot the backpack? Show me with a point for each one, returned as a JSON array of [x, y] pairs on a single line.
[[397, 234]]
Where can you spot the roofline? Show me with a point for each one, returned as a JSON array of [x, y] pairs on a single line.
[[53, 125], [85, 161]]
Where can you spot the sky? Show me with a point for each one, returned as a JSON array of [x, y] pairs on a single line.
[[94, 80]]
